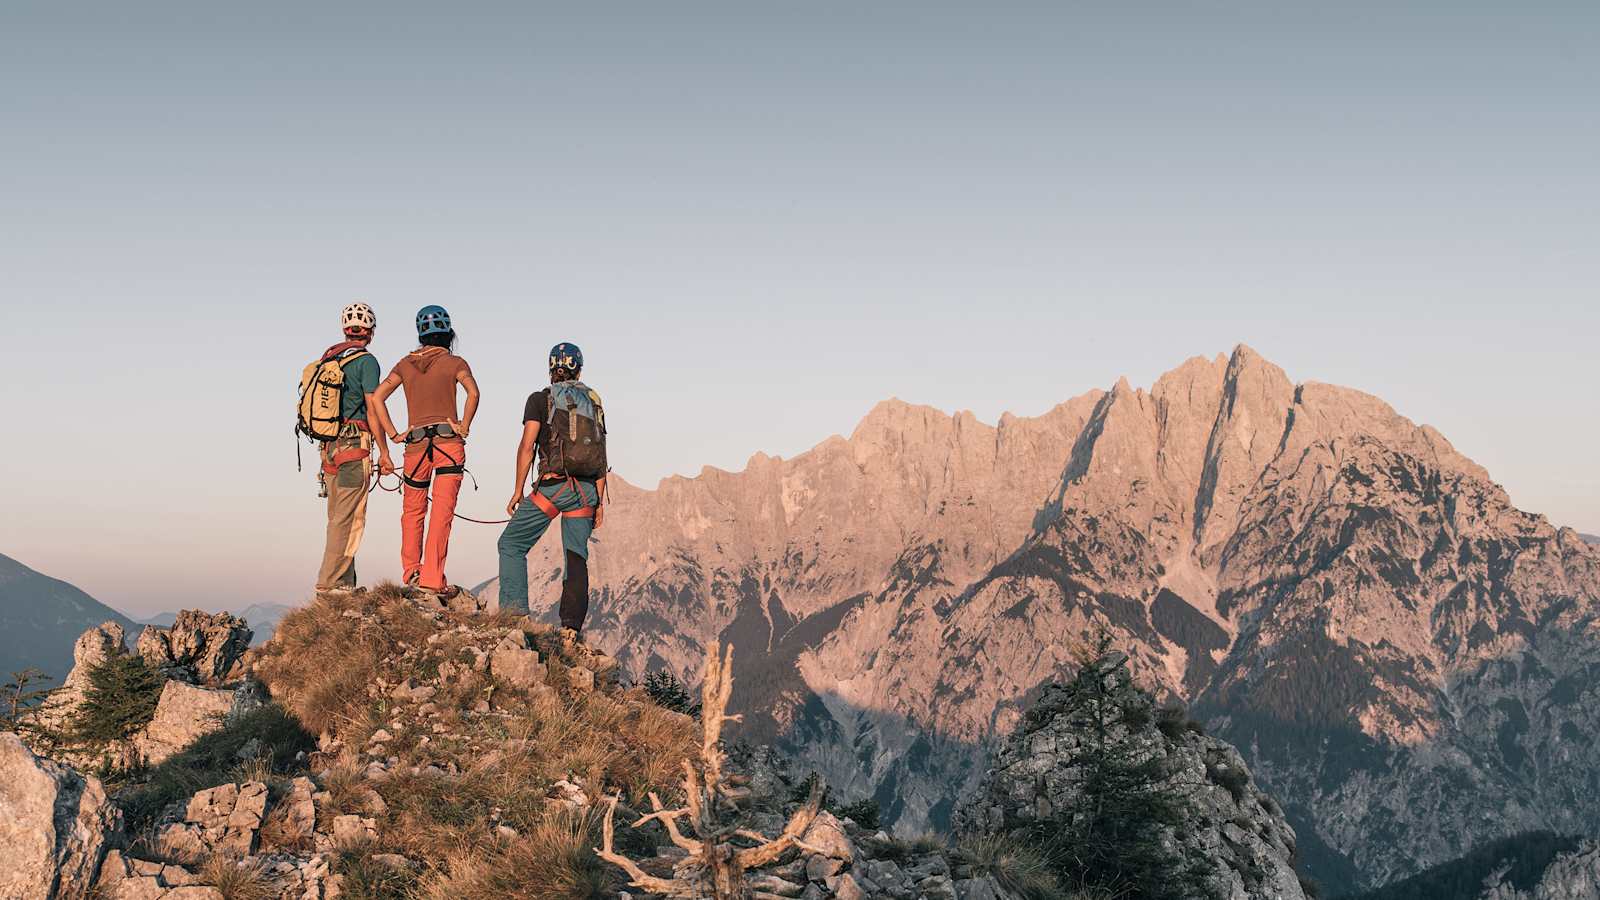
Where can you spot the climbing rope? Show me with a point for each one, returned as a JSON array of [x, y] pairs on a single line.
[[377, 482]]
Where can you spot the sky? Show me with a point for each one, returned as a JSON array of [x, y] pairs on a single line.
[[758, 220]]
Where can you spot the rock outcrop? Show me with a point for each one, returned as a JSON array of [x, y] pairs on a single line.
[[91, 649], [198, 648], [202, 655], [1404, 657], [56, 827], [1571, 876], [1232, 835]]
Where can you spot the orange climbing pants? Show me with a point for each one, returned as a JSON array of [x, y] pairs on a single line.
[[431, 466]]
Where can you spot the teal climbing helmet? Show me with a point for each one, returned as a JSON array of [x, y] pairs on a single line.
[[432, 320], [566, 356]]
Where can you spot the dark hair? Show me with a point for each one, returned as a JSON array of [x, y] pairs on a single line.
[[562, 373], [439, 339]]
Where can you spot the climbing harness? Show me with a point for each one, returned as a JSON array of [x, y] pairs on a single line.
[[552, 512], [428, 433]]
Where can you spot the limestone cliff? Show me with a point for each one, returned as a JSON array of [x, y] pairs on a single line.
[[1403, 656]]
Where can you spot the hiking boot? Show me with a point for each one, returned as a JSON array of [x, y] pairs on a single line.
[[571, 640]]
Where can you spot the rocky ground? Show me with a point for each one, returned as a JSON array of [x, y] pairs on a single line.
[[455, 755]]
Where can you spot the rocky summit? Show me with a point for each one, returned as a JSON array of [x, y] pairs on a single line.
[[1403, 656], [401, 750]]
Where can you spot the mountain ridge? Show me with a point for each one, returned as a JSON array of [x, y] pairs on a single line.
[[41, 617], [1297, 560]]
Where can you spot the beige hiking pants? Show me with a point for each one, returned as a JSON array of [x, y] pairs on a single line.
[[347, 508]]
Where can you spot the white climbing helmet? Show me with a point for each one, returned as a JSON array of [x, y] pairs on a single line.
[[359, 315]]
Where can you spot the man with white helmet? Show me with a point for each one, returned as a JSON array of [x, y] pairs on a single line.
[[347, 459]]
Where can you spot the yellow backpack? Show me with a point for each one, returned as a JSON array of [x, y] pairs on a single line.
[[319, 414]]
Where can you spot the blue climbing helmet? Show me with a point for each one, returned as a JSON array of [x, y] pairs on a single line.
[[566, 356], [432, 320]]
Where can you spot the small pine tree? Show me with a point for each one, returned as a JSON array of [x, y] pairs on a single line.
[[667, 692], [121, 698], [1112, 840], [19, 697]]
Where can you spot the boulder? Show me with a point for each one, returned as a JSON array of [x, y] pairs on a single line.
[[352, 830], [199, 648], [123, 877], [826, 836], [224, 819], [186, 712], [513, 663], [55, 825]]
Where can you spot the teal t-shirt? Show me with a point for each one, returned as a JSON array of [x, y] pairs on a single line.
[[360, 379]]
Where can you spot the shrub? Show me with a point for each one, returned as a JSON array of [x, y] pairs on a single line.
[[121, 698], [667, 692], [865, 813], [1233, 778], [1112, 839], [19, 697], [1171, 719]]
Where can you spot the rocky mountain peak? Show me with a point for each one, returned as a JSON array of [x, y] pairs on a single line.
[[1299, 561]]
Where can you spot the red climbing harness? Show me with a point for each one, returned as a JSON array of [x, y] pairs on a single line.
[[548, 505]]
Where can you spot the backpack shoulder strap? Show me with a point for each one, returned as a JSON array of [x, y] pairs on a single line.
[[347, 360]]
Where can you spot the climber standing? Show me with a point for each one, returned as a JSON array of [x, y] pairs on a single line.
[[435, 442], [565, 424], [334, 392]]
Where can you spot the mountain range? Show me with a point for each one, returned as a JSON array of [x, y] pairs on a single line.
[[1404, 657], [41, 617]]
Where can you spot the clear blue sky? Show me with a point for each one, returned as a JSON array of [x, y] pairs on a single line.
[[799, 211]]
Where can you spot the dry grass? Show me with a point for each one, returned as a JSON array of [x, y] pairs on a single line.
[[320, 661], [1018, 866], [278, 834], [552, 860], [319, 666], [366, 878], [236, 879]]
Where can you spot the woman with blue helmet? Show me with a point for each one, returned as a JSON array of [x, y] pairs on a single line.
[[435, 443]]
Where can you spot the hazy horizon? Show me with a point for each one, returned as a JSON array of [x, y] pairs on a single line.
[[798, 212]]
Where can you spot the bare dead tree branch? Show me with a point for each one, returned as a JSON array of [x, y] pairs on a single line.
[[715, 867]]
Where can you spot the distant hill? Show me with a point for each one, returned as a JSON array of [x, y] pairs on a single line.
[[1590, 538], [1519, 862], [41, 617], [263, 619]]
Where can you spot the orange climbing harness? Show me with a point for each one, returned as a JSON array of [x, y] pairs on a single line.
[[552, 511]]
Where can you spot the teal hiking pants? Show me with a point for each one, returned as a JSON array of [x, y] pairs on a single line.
[[525, 529]]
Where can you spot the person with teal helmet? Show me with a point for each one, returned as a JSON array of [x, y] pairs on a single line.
[[435, 447], [565, 426]]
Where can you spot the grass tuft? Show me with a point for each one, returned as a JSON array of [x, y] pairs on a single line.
[[1017, 865]]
